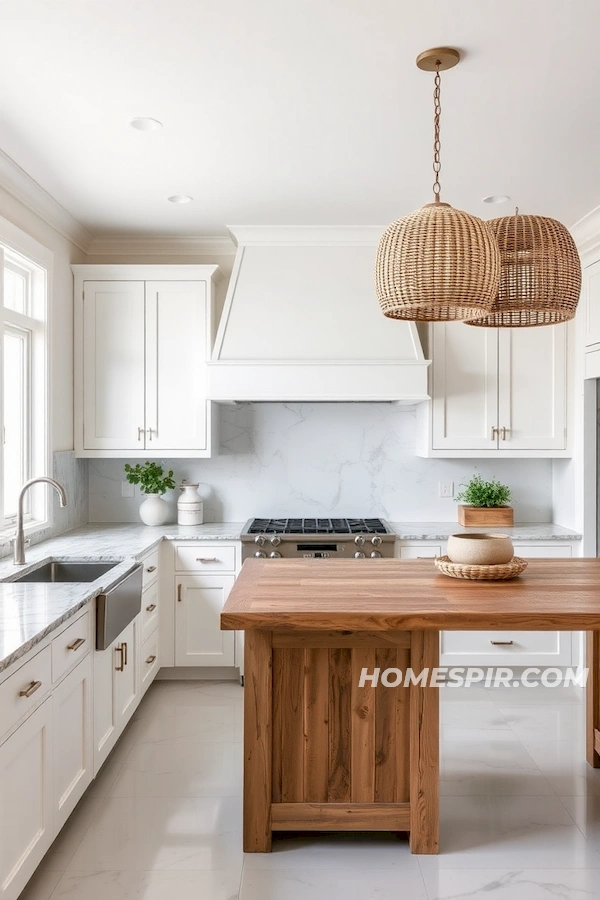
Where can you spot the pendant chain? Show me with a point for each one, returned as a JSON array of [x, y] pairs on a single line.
[[437, 111]]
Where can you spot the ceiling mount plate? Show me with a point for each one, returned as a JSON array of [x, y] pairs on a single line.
[[447, 57]]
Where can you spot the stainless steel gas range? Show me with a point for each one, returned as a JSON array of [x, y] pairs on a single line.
[[317, 539]]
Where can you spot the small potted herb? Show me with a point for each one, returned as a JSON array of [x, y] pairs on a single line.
[[485, 503], [154, 483]]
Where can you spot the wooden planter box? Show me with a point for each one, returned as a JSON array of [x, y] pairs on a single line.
[[483, 515]]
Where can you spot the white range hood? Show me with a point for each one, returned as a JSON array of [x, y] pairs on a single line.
[[301, 322]]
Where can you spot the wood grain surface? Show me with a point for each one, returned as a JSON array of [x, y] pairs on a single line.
[[396, 594]]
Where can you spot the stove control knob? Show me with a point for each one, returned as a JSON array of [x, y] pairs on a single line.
[[359, 555], [359, 539], [375, 554], [274, 555], [376, 541], [259, 539], [260, 554], [276, 541]]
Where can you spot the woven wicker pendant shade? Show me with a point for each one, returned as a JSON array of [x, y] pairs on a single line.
[[540, 279], [437, 264]]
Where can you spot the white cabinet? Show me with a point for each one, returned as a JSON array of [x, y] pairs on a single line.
[[26, 820], [143, 335], [116, 689], [591, 303], [73, 758], [199, 640], [496, 392]]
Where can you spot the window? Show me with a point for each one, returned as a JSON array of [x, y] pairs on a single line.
[[23, 408]]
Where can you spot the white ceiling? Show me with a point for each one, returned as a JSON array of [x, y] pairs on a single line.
[[306, 112]]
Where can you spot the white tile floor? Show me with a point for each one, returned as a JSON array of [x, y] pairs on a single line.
[[520, 812]]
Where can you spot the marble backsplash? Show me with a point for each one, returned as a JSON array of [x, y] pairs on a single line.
[[73, 475], [322, 459]]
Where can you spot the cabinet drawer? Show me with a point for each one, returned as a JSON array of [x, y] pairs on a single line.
[[71, 646], [150, 603], [150, 570], [422, 552], [150, 649], [205, 558], [480, 648], [35, 679], [557, 550]]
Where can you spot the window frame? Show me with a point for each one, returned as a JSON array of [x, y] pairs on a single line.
[[22, 253]]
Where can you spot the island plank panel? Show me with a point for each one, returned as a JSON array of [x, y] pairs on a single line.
[[322, 753]]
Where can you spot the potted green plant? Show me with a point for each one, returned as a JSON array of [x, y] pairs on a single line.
[[153, 482], [485, 503]]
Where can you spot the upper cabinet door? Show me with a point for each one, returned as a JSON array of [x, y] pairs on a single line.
[[176, 355], [532, 388], [465, 387], [113, 365], [591, 299]]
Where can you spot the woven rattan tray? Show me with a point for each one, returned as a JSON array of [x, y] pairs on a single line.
[[482, 573]]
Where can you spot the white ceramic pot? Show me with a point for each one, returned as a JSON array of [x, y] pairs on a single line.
[[154, 510], [190, 508], [480, 549]]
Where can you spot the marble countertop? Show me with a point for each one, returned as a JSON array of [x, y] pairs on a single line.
[[29, 612], [440, 531]]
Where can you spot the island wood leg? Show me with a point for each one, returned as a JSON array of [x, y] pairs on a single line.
[[258, 749], [424, 747], [593, 698]]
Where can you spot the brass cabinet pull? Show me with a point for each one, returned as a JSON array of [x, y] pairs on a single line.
[[125, 652], [140, 433], [151, 569], [76, 644], [151, 607], [494, 432], [150, 432], [503, 431], [179, 597], [205, 559], [501, 643], [33, 687], [151, 659], [122, 666]]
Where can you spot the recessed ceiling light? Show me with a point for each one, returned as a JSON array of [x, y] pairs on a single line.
[[180, 198], [144, 123], [496, 198]]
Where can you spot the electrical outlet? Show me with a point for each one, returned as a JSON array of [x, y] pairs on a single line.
[[446, 489], [127, 490]]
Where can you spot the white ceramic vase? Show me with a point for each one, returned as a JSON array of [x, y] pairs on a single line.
[[154, 510], [190, 508]]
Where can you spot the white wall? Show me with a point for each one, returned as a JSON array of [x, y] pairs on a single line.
[[60, 313], [325, 459]]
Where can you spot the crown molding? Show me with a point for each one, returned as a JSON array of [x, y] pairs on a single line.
[[157, 245], [307, 235], [586, 232], [32, 195]]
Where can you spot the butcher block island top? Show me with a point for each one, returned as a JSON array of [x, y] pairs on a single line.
[[328, 749], [397, 594]]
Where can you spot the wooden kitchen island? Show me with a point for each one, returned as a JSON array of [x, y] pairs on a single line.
[[322, 753]]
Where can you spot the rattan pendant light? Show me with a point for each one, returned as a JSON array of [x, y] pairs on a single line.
[[540, 278], [438, 263]]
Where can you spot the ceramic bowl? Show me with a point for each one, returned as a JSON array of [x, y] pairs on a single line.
[[480, 549]]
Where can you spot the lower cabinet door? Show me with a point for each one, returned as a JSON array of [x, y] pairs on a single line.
[[127, 654], [26, 824], [106, 718], [149, 661], [72, 719], [199, 640]]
